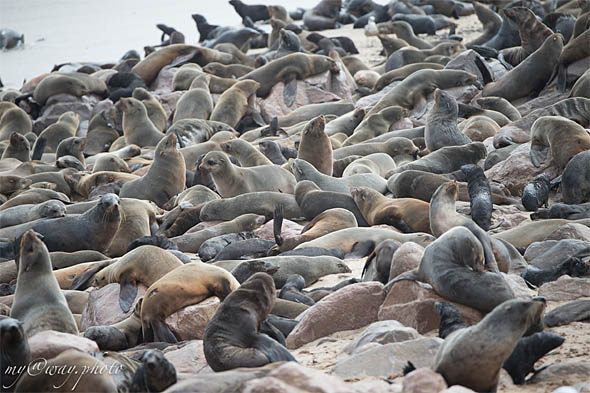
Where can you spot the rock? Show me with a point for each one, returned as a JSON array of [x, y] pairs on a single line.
[[565, 288], [289, 229], [169, 101], [163, 82], [465, 61], [103, 307], [570, 312], [423, 380], [517, 170], [389, 359], [49, 343], [383, 332], [190, 322], [61, 103], [294, 378], [405, 258], [349, 308], [498, 69], [563, 373], [413, 305], [530, 107], [549, 253], [519, 287], [509, 215], [188, 360], [457, 389], [570, 231]]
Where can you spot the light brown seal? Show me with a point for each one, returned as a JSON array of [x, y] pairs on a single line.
[[183, 286], [375, 124], [18, 147], [196, 103], [72, 83], [155, 111], [65, 127], [315, 146], [138, 129], [233, 103], [245, 153]]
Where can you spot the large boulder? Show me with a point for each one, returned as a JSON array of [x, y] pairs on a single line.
[[423, 380], [103, 306], [188, 360], [382, 332], [47, 344], [190, 322], [565, 288]]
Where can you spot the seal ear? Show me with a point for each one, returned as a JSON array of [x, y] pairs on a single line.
[[83, 279], [127, 293]]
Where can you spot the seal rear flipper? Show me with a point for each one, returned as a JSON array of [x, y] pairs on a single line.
[[127, 293], [485, 51], [408, 368], [561, 78], [278, 224], [162, 332], [290, 91], [83, 279], [412, 275], [274, 351], [39, 148], [182, 60], [269, 329]]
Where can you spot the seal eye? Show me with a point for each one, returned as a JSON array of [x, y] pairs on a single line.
[[211, 162]]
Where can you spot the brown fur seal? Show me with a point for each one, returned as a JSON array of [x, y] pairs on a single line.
[[233, 103], [101, 134], [165, 178], [491, 22], [196, 103], [472, 357], [315, 146], [227, 71], [454, 266], [379, 163], [191, 242], [231, 180], [72, 83], [415, 88], [65, 127], [245, 153], [25, 213], [406, 214], [576, 49], [18, 147], [501, 105], [409, 55], [532, 34], [121, 335], [72, 146], [399, 148], [403, 30], [12, 184], [92, 375], [565, 138], [38, 301], [479, 128], [143, 265], [375, 124], [109, 162], [530, 76], [183, 286], [263, 203], [574, 188], [441, 125], [287, 69], [228, 345], [185, 75], [155, 111], [138, 129], [402, 73], [323, 16]]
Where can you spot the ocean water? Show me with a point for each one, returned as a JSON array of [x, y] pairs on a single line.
[[61, 31]]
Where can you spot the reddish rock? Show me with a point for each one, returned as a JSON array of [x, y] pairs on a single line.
[[349, 308], [563, 373], [413, 306], [188, 360], [163, 82], [169, 101], [565, 288], [570, 231], [49, 343], [289, 229], [509, 215], [103, 306], [190, 322], [382, 332], [423, 380], [519, 287], [405, 258]]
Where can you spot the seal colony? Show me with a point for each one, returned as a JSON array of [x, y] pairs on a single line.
[[272, 184]]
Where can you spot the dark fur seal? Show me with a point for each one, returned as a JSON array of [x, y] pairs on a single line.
[[536, 193], [575, 180], [254, 12], [323, 16], [441, 125], [480, 195], [293, 290], [573, 267], [228, 345], [378, 264]]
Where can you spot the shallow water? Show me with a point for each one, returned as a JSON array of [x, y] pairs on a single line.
[[60, 31]]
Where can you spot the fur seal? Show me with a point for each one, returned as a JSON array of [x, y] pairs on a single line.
[[576, 49], [18, 147], [375, 124], [501, 105], [231, 180], [491, 22], [25, 213], [227, 347], [575, 187], [181, 287], [155, 111], [454, 266], [233, 103], [254, 12], [401, 73], [38, 301], [441, 125], [245, 153], [12, 119], [379, 163], [315, 146], [460, 359], [211, 247], [480, 195], [530, 76], [378, 264], [195, 103], [323, 16], [263, 203], [404, 31], [65, 127], [406, 214], [72, 83], [399, 148], [138, 129], [573, 267], [536, 193], [292, 290], [565, 138], [165, 178], [121, 335], [532, 34]]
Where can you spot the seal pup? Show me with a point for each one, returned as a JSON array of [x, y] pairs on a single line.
[[188, 284], [480, 195], [228, 345], [573, 267], [315, 146], [165, 178], [472, 357], [536, 193], [441, 125], [15, 353], [231, 180], [454, 266], [293, 290], [38, 300]]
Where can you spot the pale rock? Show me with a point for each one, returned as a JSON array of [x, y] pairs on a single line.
[[47, 344], [565, 288], [190, 322], [423, 380], [570, 231], [569, 373], [405, 258], [382, 332]]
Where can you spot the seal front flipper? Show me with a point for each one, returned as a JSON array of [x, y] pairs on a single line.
[[272, 331], [182, 60], [485, 72], [278, 224], [82, 280], [538, 154], [290, 91], [162, 332], [361, 249], [127, 293], [274, 351]]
